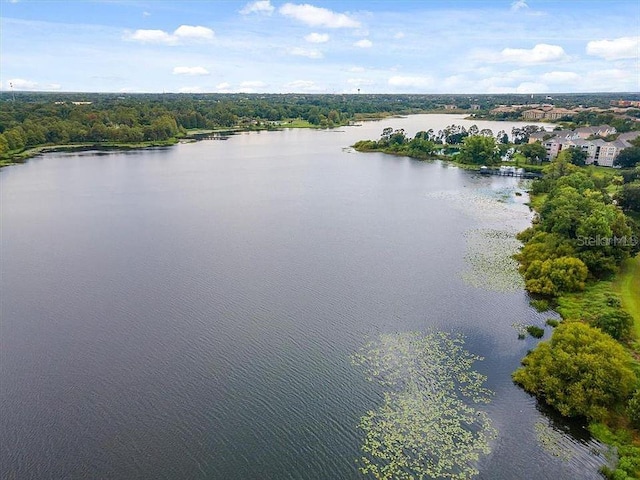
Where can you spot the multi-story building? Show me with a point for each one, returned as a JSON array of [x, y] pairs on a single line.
[[547, 112], [588, 139]]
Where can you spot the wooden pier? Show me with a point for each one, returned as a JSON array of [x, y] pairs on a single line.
[[509, 172]]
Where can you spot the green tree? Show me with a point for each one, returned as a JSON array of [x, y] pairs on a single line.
[[4, 145], [566, 206], [581, 371], [629, 196], [628, 158], [616, 323], [577, 156], [633, 409], [479, 150], [579, 180], [16, 138], [560, 166], [555, 276], [543, 246], [603, 224], [533, 152]]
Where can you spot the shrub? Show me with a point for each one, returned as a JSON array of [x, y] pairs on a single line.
[[535, 332], [616, 323], [580, 372], [552, 277], [633, 409]]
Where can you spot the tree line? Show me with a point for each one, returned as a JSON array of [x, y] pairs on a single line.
[[29, 119], [579, 238]]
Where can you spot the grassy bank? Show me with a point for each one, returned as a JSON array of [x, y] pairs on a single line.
[[627, 285], [603, 303]]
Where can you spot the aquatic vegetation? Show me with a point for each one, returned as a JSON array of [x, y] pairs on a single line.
[[541, 305], [490, 250], [428, 425], [490, 258], [535, 331], [521, 328], [553, 441]]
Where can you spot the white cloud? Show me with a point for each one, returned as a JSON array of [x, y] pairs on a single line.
[[519, 5], [318, 17], [304, 52], [560, 77], [612, 79], [398, 35], [410, 82], [150, 36], [190, 71], [302, 86], [541, 53], [190, 90], [182, 34], [617, 49], [194, 32], [356, 69], [146, 14], [364, 43], [357, 82], [253, 84], [223, 87], [522, 7], [261, 6], [19, 84], [317, 37], [532, 87]]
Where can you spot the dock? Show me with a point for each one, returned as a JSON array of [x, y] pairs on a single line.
[[509, 172]]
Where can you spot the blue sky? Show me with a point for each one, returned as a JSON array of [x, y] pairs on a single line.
[[321, 46]]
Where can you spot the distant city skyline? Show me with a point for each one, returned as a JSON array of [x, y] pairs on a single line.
[[521, 46]]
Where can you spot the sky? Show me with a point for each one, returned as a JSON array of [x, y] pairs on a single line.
[[325, 46]]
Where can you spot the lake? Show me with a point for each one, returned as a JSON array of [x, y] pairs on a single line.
[[194, 311]]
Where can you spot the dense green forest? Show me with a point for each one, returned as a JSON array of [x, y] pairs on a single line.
[[580, 257], [30, 119]]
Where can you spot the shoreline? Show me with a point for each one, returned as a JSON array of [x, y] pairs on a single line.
[[451, 161], [189, 137], [615, 431], [29, 153]]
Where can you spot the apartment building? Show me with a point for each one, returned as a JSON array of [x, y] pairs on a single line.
[[588, 139]]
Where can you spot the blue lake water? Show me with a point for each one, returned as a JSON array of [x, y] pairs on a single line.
[[192, 312]]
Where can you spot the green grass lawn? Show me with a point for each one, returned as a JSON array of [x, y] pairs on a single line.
[[297, 123], [627, 285]]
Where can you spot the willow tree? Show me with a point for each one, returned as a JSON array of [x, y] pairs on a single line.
[[479, 150], [581, 371]]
